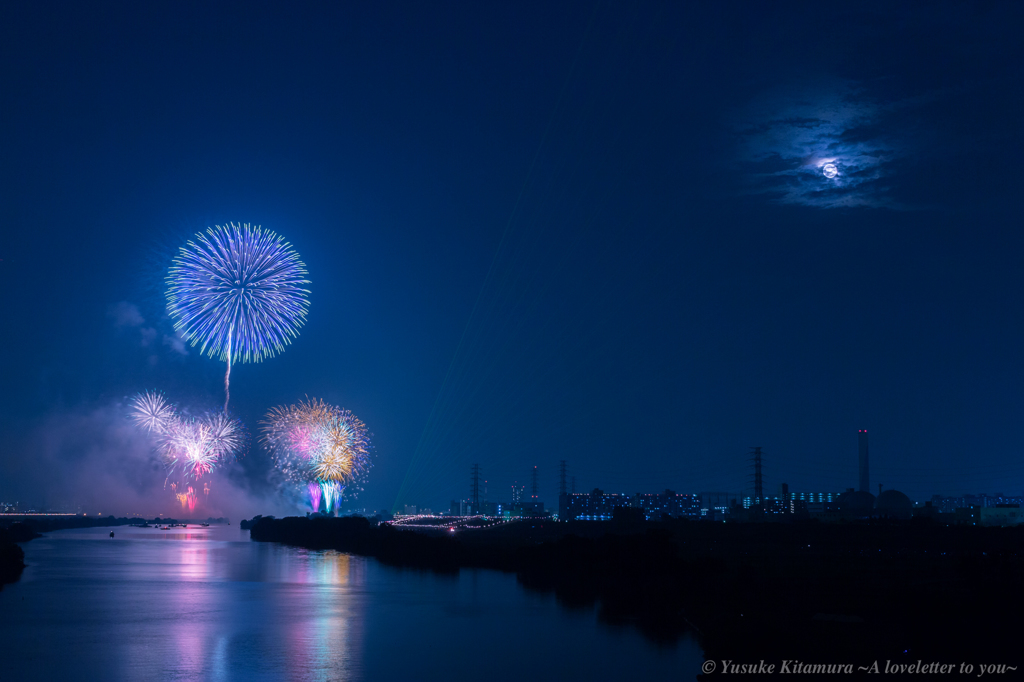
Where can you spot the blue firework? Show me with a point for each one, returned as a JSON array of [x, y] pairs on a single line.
[[239, 293]]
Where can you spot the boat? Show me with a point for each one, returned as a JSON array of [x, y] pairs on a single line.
[[205, 525], [111, 533], [165, 528]]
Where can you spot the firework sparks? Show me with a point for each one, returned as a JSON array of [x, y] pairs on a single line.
[[239, 292], [226, 436], [192, 444], [152, 413], [192, 447], [318, 445], [332, 494]]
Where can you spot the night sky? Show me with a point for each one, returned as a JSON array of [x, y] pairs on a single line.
[[599, 232]]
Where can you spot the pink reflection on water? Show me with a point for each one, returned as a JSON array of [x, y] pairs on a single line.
[[200, 591], [195, 562]]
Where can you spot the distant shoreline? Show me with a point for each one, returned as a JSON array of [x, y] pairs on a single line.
[[19, 528], [45, 523]]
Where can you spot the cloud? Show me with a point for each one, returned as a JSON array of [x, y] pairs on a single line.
[[786, 140], [176, 344], [125, 314], [148, 336]]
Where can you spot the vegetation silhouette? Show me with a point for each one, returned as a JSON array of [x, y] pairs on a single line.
[[814, 592]]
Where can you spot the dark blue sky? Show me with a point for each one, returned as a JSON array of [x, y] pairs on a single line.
[[598, 232]]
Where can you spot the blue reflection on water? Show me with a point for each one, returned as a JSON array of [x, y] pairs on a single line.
[[208, 604]]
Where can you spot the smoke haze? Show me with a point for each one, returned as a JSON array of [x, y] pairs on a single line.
[[95, 461]]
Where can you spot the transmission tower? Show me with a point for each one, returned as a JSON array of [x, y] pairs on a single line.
[[475, 486], [533, 485], [755, 455], [561, 478]]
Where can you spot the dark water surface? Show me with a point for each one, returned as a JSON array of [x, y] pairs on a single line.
[[209, 604]]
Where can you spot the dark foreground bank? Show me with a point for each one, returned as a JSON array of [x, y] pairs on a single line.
[[12, 557], [829, 593]]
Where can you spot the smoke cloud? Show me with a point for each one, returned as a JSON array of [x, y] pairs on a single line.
[[95, 461]]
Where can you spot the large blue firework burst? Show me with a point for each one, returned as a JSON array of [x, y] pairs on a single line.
[[238, 292]]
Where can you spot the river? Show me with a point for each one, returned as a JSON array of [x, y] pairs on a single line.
[[209, 604]]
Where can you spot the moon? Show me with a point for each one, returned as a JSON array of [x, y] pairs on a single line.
[[829, 170]]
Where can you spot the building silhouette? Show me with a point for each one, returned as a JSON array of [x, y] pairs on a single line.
[[668, 503], [862, 442], [596, 505], [717, 504]]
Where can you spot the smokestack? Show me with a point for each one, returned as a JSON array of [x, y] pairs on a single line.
[[862, 441]]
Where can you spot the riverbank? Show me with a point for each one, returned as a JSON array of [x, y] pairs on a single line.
[[813, 592], [18, 529], [12, 556]]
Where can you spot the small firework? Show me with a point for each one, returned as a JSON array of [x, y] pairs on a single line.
[[152, 413], [190, 447]]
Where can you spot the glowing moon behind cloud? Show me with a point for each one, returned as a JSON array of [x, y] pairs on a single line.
[[829, 170]]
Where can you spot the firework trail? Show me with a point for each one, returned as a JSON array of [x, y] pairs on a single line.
[[183, 498], [314, 495], [319, 446], [332, 493], [239, 292], [191, 499]]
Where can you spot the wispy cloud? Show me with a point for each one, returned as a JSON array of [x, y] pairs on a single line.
[[176, 344], [148, 336], [822, 147], [125, 314]]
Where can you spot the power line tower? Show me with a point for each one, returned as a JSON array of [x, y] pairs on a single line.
[[561, 478], [475, 486], [533, 485], [755, 455]]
